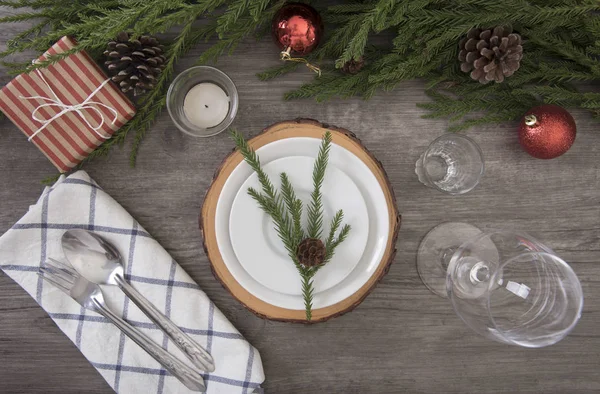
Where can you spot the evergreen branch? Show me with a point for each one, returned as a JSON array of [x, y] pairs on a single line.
[[161, 19], [15, 68], [340, 238], [13, 4], [331, 85], [245, 25], [231, 16], [33, 31], [315, 208], [257, 7], [308, 293], [254, 162], [334, 46], [330, 251], [285, 210], [373, 20], [294, 207], [336, 222], [283, 226], [351, 8], [561, 48], [23, 16], [276, 71], [52, 59], [566, 49]]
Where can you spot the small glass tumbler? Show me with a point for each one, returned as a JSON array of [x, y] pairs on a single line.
[[452, 164], [189, 80]]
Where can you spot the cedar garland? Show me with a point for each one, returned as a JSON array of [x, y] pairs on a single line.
[[416, 39]]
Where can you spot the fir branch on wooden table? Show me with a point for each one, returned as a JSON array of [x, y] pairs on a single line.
[[285, 210], [560, 50], [417, 39]]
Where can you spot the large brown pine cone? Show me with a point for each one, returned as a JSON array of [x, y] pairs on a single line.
[[135, 64], [311, 252], [490, 55]]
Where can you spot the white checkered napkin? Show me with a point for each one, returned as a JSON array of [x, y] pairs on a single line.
[[78, 202]]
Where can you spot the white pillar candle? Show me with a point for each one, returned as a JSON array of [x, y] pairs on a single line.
[[206, 105]]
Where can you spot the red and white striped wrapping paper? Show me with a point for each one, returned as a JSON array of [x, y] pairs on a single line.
[[67, 140]]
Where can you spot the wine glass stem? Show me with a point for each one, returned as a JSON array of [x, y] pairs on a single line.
[[480, 272], [446, 256]]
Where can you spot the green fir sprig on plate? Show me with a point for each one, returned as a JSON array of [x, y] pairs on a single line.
[[305, 248]]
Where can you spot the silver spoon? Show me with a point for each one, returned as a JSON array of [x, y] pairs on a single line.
[[89, 295], [100, 262]]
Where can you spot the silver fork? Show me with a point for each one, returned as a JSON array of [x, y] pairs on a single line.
[[89, 295]]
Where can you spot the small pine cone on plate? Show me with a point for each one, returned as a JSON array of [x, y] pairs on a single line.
[[311, 252]]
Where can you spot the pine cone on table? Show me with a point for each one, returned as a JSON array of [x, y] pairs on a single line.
[[491, 54], [311, 252], [135, 64], [353, 66]]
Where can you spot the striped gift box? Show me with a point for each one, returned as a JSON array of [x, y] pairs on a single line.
[[67, 109]]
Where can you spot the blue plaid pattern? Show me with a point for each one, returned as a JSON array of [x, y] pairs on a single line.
[[78, 202]]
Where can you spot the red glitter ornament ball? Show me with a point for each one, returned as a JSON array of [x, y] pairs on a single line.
[[297, 27], [547, 131]]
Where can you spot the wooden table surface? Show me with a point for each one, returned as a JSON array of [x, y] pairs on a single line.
[[402, 338]]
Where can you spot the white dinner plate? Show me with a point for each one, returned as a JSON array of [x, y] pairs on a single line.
[[259, 249], [250, 274]]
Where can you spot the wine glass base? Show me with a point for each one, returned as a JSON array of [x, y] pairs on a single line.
[[435, 252]]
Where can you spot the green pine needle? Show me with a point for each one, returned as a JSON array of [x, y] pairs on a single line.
[[308, 293], [283, 225], [336, 222], [285, 210], [254, 161], [315, 208], [294, 207]]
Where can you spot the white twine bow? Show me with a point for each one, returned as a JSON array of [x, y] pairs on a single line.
[[56, 102]]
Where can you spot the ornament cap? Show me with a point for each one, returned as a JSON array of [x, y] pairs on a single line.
[[531, 120]]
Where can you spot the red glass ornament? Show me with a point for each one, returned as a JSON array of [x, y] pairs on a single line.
[[297, 27], [547, 131]]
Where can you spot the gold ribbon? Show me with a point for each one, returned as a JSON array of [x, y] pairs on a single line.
[[287, 57]]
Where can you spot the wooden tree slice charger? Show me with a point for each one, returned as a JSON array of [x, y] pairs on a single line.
[[278, 131]]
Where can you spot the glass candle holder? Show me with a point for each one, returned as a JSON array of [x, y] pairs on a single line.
[[202, 101]]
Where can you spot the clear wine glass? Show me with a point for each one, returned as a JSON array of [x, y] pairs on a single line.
[[453, 163], [505, 285]]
